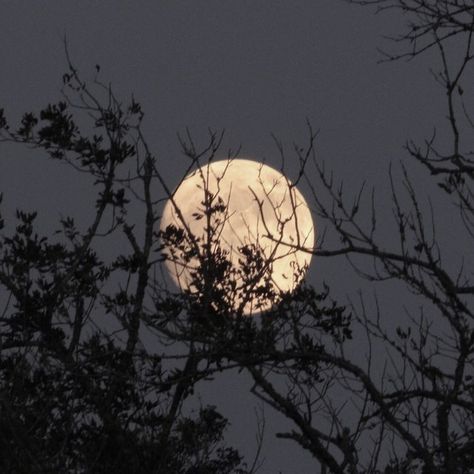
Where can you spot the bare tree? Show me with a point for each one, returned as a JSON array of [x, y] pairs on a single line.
[[413, 411]]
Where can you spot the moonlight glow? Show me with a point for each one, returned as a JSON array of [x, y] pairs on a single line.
[[262, 208]]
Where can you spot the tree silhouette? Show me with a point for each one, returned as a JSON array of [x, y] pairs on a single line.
[[78, 396]]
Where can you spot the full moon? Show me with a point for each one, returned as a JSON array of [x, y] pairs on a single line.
[[242, 210]]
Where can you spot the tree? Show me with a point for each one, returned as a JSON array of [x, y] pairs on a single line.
[[74, 395]]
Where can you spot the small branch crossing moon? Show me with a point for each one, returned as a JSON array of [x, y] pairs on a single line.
[[235, 206]]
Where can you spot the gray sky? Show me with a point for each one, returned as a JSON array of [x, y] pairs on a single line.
[[251, 67]]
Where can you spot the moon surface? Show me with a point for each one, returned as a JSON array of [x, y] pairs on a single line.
[[250, 206]]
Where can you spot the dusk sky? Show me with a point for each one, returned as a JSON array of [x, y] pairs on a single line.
[[253, 68]]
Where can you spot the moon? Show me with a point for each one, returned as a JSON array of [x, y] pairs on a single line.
[[254, 216]]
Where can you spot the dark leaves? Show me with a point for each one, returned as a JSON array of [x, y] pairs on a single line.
[[60, 130], [28, 122], [3, 120]]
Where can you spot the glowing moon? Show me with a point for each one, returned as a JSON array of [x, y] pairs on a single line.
[[262, 208]]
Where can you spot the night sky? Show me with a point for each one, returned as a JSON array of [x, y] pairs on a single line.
[[251, 68]]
